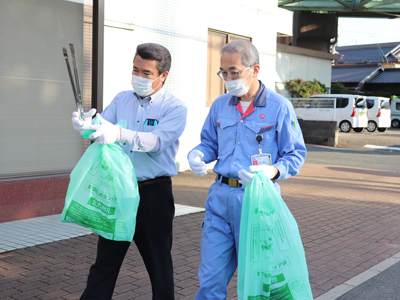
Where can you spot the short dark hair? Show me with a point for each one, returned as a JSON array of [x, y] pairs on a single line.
[[155, 52]]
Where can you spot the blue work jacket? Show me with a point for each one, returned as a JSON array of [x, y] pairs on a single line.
[[229, 136]]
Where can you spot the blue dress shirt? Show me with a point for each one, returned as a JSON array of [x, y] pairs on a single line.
[[154, 126]]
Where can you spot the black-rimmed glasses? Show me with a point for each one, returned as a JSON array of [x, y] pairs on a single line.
[[232, 75]]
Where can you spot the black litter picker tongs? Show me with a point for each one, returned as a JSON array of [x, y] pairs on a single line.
[[76, 88]]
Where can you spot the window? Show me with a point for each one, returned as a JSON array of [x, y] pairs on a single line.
[[370, 103], [360, 103], [216, 40], [384, 104], [398, 106], [342, 102]]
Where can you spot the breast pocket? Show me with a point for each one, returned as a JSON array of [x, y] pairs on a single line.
[[147, 128], [226, 135], [266, 129], [150, 124]]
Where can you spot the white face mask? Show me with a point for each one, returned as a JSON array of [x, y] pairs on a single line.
[[238, 87], [143, 86]]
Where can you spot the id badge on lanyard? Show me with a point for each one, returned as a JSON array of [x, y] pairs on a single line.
[[260, 158]]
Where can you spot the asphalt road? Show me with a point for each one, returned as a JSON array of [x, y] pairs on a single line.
[[351, 151], [357, 140], [383, 286]]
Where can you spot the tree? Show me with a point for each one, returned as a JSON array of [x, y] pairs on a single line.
[[339, 85], [304, 89]]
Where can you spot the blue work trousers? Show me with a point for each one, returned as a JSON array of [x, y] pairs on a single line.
[[220, 240]]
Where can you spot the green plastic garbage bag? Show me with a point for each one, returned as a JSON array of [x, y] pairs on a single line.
[[103, 193], [272, 263]]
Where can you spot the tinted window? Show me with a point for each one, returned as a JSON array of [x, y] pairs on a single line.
[[370, 103], [398, 106], [361, 103], [342, 102], [385, 104]]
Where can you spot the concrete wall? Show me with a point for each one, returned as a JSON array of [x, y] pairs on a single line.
[[182, 26], [285, 27], [295, 62], [320, 132]]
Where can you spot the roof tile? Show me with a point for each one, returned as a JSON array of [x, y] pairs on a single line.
[[352, 72], [388, 75], [371, 53]]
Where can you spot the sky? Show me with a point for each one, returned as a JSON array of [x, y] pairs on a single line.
[[359, 31]]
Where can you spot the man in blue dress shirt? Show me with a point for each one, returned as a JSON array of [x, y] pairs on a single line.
[[155, 121], [251, 128]]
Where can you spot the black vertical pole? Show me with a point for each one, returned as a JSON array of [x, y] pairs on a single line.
[[98, 55]]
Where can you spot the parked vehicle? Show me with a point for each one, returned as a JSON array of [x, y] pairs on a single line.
[[378, 113], [350, 111], [395, 115]]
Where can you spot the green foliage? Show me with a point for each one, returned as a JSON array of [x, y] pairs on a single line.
[[339, 85], [304, 89]]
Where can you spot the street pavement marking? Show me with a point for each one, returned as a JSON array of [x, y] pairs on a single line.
[[182, 210], [41, 230], [350, 284], [382, 147]]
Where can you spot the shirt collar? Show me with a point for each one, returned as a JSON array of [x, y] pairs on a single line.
[[260, 99], [152, 98]]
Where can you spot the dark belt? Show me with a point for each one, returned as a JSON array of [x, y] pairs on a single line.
[[148, 183], [229, 181]]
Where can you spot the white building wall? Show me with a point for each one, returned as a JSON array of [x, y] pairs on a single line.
[[291, 66], [285, 26], [182, 26]]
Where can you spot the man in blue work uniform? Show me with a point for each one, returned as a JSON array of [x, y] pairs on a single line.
[[156, 119], [251, 128]]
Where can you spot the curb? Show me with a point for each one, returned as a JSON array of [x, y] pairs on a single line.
[[359, 279]]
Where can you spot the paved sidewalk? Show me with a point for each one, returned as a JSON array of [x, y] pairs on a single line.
[[41, 230], [348, 219]]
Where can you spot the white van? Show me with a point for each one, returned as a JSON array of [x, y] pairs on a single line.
[[351, 111], [395, 109], [378, 113]]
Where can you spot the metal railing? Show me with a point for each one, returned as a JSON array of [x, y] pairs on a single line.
[[313, 104]]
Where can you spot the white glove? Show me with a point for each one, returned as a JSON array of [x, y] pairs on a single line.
[[198, 167], [268, 171], [78, 124], [106, 133], [245, 177]]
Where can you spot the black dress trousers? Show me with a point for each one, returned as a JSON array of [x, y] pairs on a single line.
[[153, 238]]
